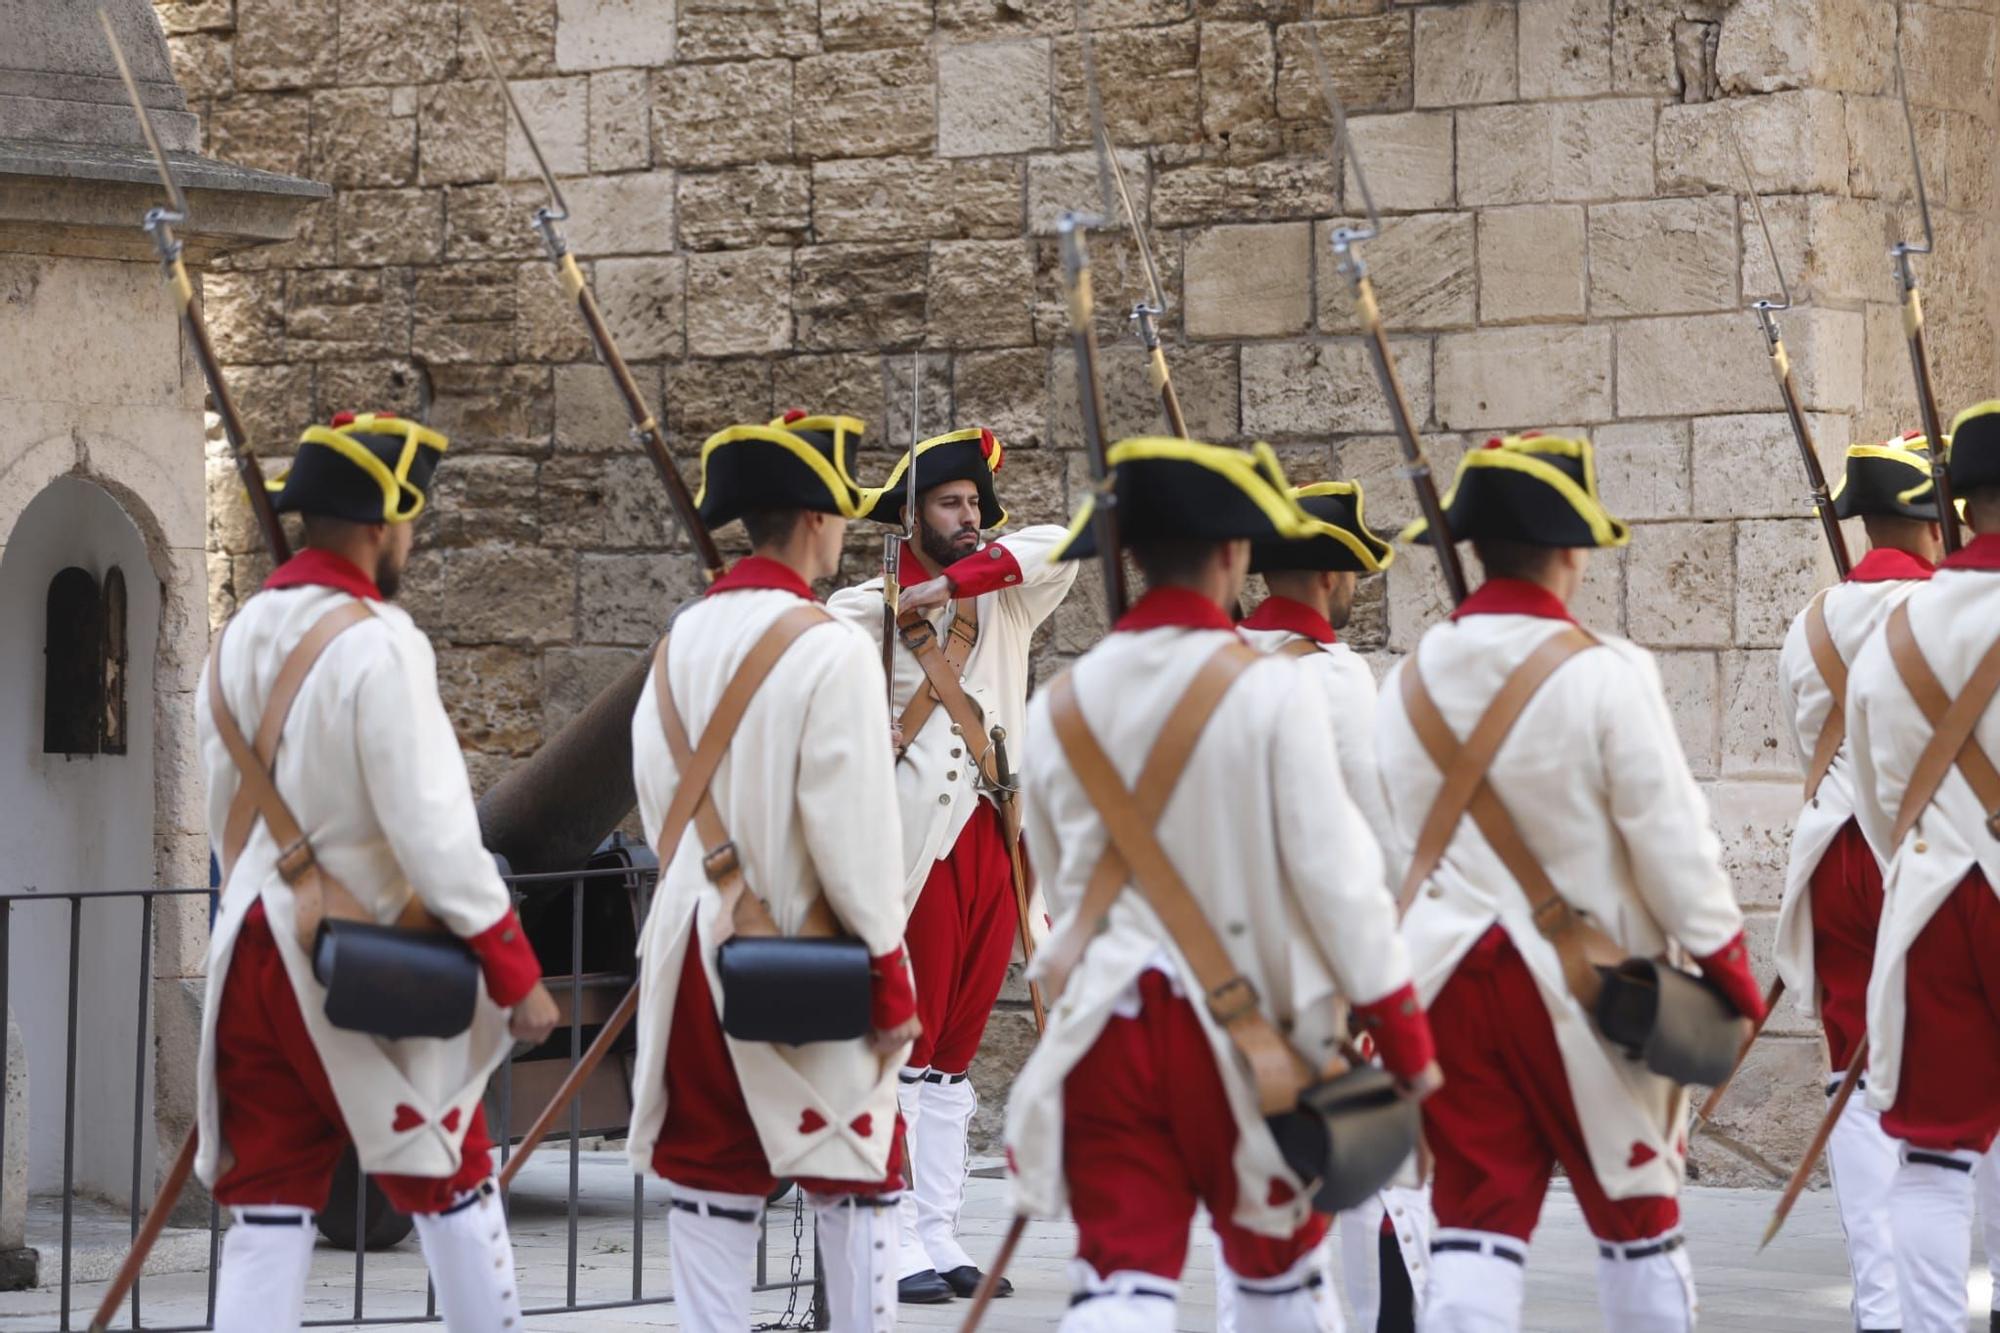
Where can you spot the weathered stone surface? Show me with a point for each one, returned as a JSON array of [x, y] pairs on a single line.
[[1408, 160], [201, 64], [620, 112], [1753, 744], [573, 677], [346, 386], [763, 204], [981, 294], [1692, 684], [643, 302], [730, 29], [1238, 66], [493, 407], [286, 43], [492, 221], [1317, 389], [1680, 585], [1748, 466], [602, 34], [482, 499], [859, 24], [392, 44], [865, 104], [1522, 378], [1003, 391], [627, 598], [547, 324], [1663, 256], [391, 226], [1061, 182], [859, 296], [246, 315], [1530, 153], [464, 312], [1780, 564], [558, 110], [993, 97], [1531, 263], [1249, 281], [1565, 49], [909, 198], [1693, 363], [1422, 268], [704, 396], [1148, 78], [1465, 54], [270, 132], [493, 594], [344, 313], [361, 138], [1206, 379], [1370, 60], [522, 34], [590, 417], [1643, 469], [716, 115], [463, 132], [630, 214], [1831, 249], [1376, 462], [1796, 143], [1207, 192], [739, 301], [1642, 49]]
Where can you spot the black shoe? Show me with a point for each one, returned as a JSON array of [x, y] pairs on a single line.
[[965, 1280], [925, 1288]]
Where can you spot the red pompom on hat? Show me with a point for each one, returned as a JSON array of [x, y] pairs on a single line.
[[794, 414]]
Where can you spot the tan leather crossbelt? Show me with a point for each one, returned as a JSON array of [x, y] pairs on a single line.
[[1299, 648], [1581, 946], [744, 913], [1953, 723], [1133, 853], [1826, 660], [942, 671], [316, 894]]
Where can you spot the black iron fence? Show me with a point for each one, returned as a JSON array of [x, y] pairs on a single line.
[[584, 927]]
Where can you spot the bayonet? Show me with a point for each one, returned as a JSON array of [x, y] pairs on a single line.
[[1148, 311], [1913, 321], [159, 224], [1781, 367], [1347, 240], [548, 220], [893, 539]]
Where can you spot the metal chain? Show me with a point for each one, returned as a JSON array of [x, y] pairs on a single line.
[[791, 1318]]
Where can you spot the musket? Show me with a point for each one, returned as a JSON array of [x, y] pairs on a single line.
[[989, 1284], [1146, 312], [645, 426], [1005, 788], [159, 224], [1071, 228], [1817, 1146], [1346, 245], [1913, 323], [892, 541], [1714, 1099], [1781, 367]]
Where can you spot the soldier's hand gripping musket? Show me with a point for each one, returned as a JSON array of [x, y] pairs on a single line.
[[1346, 243]]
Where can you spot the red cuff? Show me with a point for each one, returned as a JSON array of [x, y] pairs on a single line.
[[895, 997], [1401, 1031], [507, 959], [1729, 969], [989, 569]]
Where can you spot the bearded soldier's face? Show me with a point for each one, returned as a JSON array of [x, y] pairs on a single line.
[[395, 557], [948, 521]]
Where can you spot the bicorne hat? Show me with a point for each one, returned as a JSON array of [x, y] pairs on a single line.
[[373, 467], [1972, 450], [794, 462], [962, 455], [1888, 480], [1537, 489], [1173, 489], [1340, 538]]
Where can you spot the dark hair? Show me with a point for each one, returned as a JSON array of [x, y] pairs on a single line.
[[1982, 508], [1505, 558], [1168, 560], [326, 530], [771, 527]]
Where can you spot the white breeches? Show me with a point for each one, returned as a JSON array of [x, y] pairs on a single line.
[[1119, 1302], [1862, 1161], [1478, 1282], [1930, 1210], [266, 1255]]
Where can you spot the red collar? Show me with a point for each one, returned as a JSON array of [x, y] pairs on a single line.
[[910, 570], [1886, 564], [1173, 608], [1513, 597], [1284, 613], [316, 568], [1982, 552], [757, 571]]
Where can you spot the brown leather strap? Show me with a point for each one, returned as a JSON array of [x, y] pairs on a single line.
[[316, 894], [1232, 999], [1826, 660], [1579, 945], [1299, 648], [743, 912], [1953, 723], [942, 672]]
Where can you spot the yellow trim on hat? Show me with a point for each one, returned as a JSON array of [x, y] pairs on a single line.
[[838, 483], [395, 482], [872, 496], [842, 428], [1252, 471], [1987, 408], [1517, 453], [1374, 563]]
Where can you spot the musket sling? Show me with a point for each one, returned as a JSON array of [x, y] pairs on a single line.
[[812, 986], [1826, 660], [1953, 722], [942, 670], [411, 979]]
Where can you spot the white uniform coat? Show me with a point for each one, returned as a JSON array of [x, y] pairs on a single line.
[[1349, 688], [935, 785], [1594, 776], [1955, 618], [806, 795], [372, 771], [1854, 611], [1262, 829]]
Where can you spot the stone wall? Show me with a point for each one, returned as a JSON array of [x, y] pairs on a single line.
[[770, 193]]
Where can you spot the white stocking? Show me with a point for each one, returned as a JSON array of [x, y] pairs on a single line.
[[911, 1258], [472, 1263], [1930, 1208], [938, 1150], [1125, 1302], [1299, 1300], [1988, 1175], [857, 1240], [1646, 1286], [266, 1256], [1478, 1281], [1861, 1160], [712, 1245]]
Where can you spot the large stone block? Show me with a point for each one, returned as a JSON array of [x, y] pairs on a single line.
[[1205, 378], [981, 294], [1465, 54], [860, 24], [1567, 150], [739, 301], [500, 594], [493, 407], [1692, 684], [629, 214], [558, 110], [627, 598], [286, 43], [716, 115], [1060, 183], [483, 499], [1204, 193], [1780, 564], [644, 305], [201, 64], [590, 416], [1948, 51], [1795, 142], [1663, 257], [1238, 66], [993, 97], [1523, 377], [1767, 46], [704, 396], [762, 204], [1531, 263], [464, 312], [547, 323], [911, 198], [855, 384], [1642, 49], [1148, 78], [1319, 389], [1830, 249], [1249, 281], [865, 104], [492, 221], [1680, 585], [390, 226], [246, 315], [391, 386], [859, 296], [463, 132], [1370, 60], [271, 132], [1643, 469], [1753, 726], [1748, 465], [1422, 268], [1692, 364], [1004, 391], [1376, 462], [730, 29], [1408, 159], [573, 677], [522, 34], [395, 43], [602, 34], [347, 313], [620, 108], [362, 137], [1565, 49]]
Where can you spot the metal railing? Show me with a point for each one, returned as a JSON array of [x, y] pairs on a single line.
[[74, 1307]]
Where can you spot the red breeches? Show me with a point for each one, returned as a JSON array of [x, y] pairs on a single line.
[[960, 936], [1948, 1095]]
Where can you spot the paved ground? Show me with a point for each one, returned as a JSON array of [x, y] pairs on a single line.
[[1799, 1284]]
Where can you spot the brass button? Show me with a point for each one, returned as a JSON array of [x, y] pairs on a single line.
[[945, 799], [1921, 846], [1434, 892], [956, 753]]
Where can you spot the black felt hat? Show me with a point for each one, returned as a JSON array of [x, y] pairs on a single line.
[[1537, 489], [794, 462], [962, 455], [1972, 450], [1340, 538], [1171, 489], [1889, 480], [366, 468]]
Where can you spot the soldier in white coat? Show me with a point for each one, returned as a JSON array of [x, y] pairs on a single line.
[[1593, 779], [981, 602], [371, 774], [1934, 996], [1385, 1243], [1140, 1102], [798, 838], [1832, 903]]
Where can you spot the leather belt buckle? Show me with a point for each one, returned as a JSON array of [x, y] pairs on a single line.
[[720, 862], [1554, 917], [1225, 1010], [917, 637], [295, 860]]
